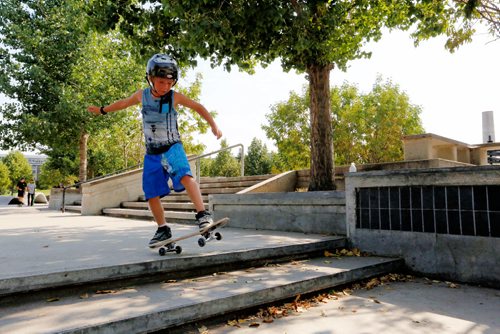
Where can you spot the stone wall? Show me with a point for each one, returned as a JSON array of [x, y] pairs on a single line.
[[307, 212], [110, 192], [56, 195], [443, 222]]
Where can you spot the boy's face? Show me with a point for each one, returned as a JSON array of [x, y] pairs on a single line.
[[162, 85]]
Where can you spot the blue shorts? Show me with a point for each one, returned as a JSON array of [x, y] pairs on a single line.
[[159, 168]]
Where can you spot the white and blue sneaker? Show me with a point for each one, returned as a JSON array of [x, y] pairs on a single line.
[[204, 219], [162, 235]]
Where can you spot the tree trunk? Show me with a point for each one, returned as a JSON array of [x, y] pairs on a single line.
[[322, 171], [84, 137]]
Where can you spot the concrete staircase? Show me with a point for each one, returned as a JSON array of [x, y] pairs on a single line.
[[249, 269], [178, 206]]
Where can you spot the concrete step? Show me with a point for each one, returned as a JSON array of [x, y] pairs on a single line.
[[219, 179], [171, 216], [161, 305], [176, 197], [204, 192], [210, 191], [118, 256], [236, 184], [184, 206]]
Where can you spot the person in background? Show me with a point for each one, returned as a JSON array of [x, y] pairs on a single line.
[[31, 192], [21, 189]]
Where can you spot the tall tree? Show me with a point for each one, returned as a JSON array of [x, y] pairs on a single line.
[[18, 167], [487, 11], [38, 43], [105, 71], [4, 178], [45, 54], [368, 127], [54, 69], [224, 163], [258, 160], [389, 115], [289, 127], [308, 36]]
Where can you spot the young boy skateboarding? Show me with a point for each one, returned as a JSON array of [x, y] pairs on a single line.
[[165, 157]]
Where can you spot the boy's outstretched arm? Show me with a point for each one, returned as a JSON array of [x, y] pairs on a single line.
[[133, 99], [200, 109]]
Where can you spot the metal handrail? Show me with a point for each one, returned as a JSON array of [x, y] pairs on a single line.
[[197, 158]]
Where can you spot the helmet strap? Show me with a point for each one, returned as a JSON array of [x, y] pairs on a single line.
[[151, 85]]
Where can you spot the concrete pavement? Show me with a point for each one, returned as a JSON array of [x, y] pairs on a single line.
[[46, 248], [41, 248], [419, 306]]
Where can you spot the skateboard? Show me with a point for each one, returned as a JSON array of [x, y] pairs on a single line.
[[207, 234]]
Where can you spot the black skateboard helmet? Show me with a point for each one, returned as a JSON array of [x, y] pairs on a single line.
[[162, 66]]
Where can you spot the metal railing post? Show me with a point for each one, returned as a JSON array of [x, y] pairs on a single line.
[[63, 199], [242, 152], [198, 170]]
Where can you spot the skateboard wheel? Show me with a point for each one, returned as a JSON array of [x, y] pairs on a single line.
[[178, 249], [218, 236], [201, 242], [162, 251]]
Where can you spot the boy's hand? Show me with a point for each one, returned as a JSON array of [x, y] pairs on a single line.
[[217, 132]]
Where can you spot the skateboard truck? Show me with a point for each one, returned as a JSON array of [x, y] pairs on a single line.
[[207, 235], [172, 247]]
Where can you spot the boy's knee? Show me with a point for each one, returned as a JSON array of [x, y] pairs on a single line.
[[186, 179]]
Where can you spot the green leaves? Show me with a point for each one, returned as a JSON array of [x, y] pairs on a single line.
[[258, 160], [18, 167], [289, 127], [367, 127]]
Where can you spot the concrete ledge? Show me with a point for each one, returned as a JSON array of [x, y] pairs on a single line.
[[306, 212], [169, 215], [465, 258], [165, 305], [56, 195], [111, 191], [451, 257], [172, 265], [283, 182]]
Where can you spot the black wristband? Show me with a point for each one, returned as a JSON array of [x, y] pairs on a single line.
[[102, 111]]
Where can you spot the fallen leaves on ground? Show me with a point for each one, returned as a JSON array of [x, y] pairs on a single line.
[[372, 283], [345, 252], [105, 292], [299, 304], [203, 330]]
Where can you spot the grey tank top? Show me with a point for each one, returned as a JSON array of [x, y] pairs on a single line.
[[159, 124]]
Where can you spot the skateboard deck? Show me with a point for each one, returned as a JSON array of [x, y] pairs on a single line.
[[206, 235]]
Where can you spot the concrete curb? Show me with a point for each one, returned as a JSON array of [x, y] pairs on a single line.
[[168, 318], [175, 265]]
